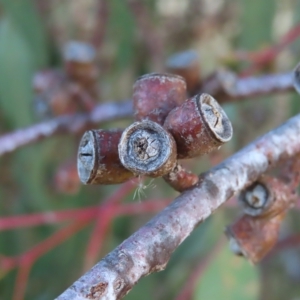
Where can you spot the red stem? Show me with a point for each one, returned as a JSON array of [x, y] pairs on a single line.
[[267, 55], [106, 213], [21, 282]]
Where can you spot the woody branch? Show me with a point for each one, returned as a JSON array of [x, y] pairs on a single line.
[[149, 249]]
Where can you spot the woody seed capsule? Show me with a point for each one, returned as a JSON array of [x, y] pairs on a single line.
[[155, 95], [145, 148], [254, 237], [80, 66], [266, 197], [198, 126], [98, 158], [186, 64], [265, 204]]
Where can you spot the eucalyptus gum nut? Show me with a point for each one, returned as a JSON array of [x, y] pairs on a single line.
[[198, 126], [265, 204], [145, 148], [79, 64], [254, 237], [266, 198], [155, 95], [186, 64], [98, 158]]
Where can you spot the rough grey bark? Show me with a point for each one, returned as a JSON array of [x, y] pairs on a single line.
[[149, 249]]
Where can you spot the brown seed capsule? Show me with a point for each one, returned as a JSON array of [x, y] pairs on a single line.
[[79, 59], [145, 148], [155, 95], [267, 197], [98, 158], [254, 237], [199, 126], [186, 64], [181, 179], [265, 204]]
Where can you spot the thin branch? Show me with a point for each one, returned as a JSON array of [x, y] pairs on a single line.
[[222, 87], [265, 56], [101, 23], [53, 217], [50, 217], [65, 124], [149, 33], [149, 249], [103, 223], [21, 282], [226, 87]]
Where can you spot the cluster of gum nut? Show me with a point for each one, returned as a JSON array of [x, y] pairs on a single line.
[[265, 204], [167, 127]]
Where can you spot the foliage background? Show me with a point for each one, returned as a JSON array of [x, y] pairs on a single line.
[[216, 30]]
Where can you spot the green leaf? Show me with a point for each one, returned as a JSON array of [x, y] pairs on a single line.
[[228, 277], [256, 23], [15, 75], [31, 27], [122, 27]]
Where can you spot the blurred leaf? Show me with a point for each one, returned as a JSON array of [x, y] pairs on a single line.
[[15, 75], [122, 27], [28, 23], [256, 23], [228, 277]]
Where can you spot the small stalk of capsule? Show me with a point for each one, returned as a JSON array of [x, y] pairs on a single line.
[[98, 158], [155, 95], [186, 64], [145, 148], [265, 204], [198, 126], [181, 179]]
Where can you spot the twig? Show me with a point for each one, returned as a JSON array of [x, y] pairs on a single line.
[[103, 223], [149, 249], [101, 23], [149, 33], [236, 89], [21, 282], [52, 217], [226, 87], [65, 124], [267, 55]]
